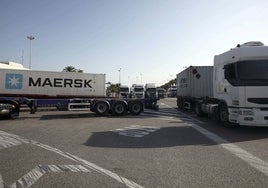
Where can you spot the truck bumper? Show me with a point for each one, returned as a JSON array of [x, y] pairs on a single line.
[[249, 117]]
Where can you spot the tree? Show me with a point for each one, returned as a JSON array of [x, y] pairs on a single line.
[[71, 69], [169, 84], [113, 88]]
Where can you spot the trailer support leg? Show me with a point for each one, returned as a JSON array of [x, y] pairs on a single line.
[[32, 106]]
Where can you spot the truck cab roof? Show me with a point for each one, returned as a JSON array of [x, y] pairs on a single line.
[[246, 51]]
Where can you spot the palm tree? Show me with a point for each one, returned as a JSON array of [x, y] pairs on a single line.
[[71, 69], [113, 88]]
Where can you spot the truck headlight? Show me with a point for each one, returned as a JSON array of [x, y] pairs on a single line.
[[247, 112]]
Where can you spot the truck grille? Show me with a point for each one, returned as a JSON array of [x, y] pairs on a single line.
[[258, 100], [5, 106]]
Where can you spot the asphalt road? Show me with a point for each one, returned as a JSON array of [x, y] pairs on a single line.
[[165, 148]]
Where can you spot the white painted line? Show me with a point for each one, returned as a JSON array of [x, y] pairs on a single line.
[[160, 116], [8, 140], [31, 177], [167, 105], [167, 119], [188, 116], [1, 182], [247, 157], [131, 135], [252, 160], [161, 113], [136, 131], [90, 165], [176, 115], [37, 172]]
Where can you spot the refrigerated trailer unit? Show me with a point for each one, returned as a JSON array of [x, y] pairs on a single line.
[[234, 90], [64, 90]]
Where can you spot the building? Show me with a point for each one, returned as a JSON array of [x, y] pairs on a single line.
[[11, 65]]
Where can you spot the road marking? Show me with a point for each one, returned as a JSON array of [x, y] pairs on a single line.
[[166, 113], [170, 115], [9, 138], [31, 177], [1, 182], [242, 154], [194, 119], [136, 131], [252, 160]]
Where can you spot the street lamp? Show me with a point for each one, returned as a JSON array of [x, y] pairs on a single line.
[[30, 61], [119, 76]]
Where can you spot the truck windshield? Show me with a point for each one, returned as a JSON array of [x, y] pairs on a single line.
[[247, 73], [151, 90], [138, 89], [124, 90], [253, 70]]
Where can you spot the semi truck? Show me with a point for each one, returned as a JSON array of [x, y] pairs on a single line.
[[234, 90], [137, 91], [161, 92], [150, 92], [172, 91], [123, 91], [63, 90]]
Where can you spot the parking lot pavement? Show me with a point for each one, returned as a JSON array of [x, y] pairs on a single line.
[[156, 149]]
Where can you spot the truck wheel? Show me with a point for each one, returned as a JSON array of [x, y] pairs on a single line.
[[135, 107], [119, 108], [198, 110], [180, 104], [101, 108], [224, 116]]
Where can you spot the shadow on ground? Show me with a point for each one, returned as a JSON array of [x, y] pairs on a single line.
[[163, 137], [168, 137]]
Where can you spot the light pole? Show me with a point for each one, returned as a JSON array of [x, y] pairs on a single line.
[[30, 60], [119, 76]]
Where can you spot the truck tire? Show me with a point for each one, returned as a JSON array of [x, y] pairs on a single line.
[[135, 107], [223, 116], [119, 108], [14, 108], [179, 103], [198, 110], [101, 108]]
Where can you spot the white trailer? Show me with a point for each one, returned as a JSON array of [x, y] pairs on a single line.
[[65, 90], [30, 83], [239, 81]]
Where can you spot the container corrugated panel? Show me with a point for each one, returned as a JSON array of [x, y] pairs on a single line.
[[52, 84], [196, 82]]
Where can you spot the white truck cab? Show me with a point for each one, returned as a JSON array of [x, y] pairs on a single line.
[[240, 82], [137, 91], [124, 91], [150, 91]]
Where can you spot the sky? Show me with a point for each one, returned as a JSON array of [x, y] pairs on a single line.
[[131, 41]]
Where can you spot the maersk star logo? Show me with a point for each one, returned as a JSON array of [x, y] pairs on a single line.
[[14, 81]]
